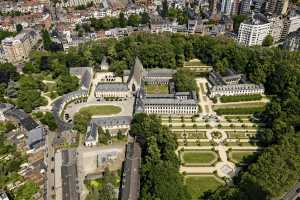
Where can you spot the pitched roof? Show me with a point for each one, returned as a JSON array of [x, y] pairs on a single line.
[[115, 87]]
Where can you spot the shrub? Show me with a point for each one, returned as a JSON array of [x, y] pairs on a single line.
[[254, 97], [227, 111]]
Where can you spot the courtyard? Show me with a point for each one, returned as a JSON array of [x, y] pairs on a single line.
[[156, 89]]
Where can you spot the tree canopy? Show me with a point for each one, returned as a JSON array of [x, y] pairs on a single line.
[[160, 165]]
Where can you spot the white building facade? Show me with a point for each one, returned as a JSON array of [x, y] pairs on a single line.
[[253, 33]]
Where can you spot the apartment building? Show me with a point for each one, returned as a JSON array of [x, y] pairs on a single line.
[[253, 31], [17, 49]]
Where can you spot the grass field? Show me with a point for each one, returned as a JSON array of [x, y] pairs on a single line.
[[157, 89], [198, 157], [238, 156], [101, 110], [197, 185]]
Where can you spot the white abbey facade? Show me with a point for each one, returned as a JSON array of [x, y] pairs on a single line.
[[231, 84]]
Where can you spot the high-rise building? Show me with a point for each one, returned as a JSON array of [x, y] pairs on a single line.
[[213, 6], [17, 48], [291, 24], [235, 7], [253, 31], [245, 7], [292, 41], [226, 6], [276, 7], [277, 25]]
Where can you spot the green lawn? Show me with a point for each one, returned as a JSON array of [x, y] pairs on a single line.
[[157, 89], [238, 156], [198, 157], [197, 185], [101, 110]]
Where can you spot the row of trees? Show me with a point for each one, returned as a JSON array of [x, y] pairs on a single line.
[[160, 178]]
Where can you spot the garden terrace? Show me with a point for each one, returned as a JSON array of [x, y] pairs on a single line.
[[198, 157], [198, 184]]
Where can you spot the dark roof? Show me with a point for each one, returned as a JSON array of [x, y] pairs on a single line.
[[112, 121], [116, 87], [131, 178], [35, 138], [86, 79], [26, 121]]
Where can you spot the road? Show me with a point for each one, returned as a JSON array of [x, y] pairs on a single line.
[[292, 194]]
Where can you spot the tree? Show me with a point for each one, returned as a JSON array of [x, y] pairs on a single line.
[[268, 41], [134, 20], [145, 18], [122, 20], [30, 99], [159, 160], [46, 39], [5, 34], [66, 84], [165, 8], [104, 136], [49, 120], [184, 81], [237, 20], [26, 191], [19, 28], [81, 120]]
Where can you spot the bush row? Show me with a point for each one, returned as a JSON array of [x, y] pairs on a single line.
[[253, 97], [235, 111]]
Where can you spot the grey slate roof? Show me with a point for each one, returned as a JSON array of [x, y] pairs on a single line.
[[91, 134], [131, 179], [26, 121], [112, 121], [137, 72], [116, 87], [35, 138], [84, 73], [86, 79], [158, 72]]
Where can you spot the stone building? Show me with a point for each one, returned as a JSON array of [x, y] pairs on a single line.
[[104, 90], [231, 84], [17, 49]]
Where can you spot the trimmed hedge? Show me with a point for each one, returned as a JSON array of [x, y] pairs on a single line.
[[253, 97], [234, 111]]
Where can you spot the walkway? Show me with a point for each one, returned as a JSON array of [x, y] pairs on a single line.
[[204, 102]]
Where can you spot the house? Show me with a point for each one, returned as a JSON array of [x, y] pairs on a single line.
[[34, 132]]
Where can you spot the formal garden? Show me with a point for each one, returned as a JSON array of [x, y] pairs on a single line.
[[241, 156], [198, 157]]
